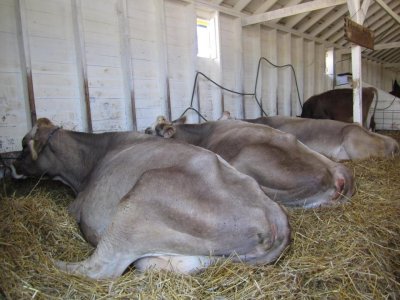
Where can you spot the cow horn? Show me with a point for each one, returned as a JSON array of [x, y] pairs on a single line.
[[32, 149]]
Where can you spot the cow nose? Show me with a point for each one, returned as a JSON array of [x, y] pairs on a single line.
[[14, 173], [340, 183]]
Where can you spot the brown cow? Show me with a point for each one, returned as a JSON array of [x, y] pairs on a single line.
[[154, 202], [336, 140], [338, 105], [288, 171]]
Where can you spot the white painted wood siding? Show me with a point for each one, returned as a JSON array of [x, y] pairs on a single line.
[[113, 65]]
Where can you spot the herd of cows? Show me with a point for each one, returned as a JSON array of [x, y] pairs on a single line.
[[180, 196]]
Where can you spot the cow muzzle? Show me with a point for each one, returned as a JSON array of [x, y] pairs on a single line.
[[14, 173]]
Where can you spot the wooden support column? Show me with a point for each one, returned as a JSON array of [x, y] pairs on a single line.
[[357, 15], [81, 65], [163, 46], [297, 49], [269, 50], [251, 54], [284, 74], [126, 65], [25, 58]]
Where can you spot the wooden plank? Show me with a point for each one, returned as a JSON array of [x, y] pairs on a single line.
[[269, 83], [127, 70], [395, 16], [358, 34], [297, 57], [284, 74], [81, 64], [241, 4], [356, 67], [251, 53], [387, 46], [23, 40], [163, 46], [290, 11]]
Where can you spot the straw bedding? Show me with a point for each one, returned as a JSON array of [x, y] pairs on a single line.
[[347, 252]]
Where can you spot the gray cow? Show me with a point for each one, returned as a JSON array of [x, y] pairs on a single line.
[[154, 203], [337, 140], [288, 171]]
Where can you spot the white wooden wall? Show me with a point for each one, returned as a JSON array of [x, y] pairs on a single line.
[[112, 65]]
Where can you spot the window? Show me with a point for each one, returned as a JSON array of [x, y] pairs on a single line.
[[329, 62], [206, 38]]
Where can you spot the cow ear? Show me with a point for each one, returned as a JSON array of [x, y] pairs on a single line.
[[169, 131], [44, 122], [34, 148], [181, 120]]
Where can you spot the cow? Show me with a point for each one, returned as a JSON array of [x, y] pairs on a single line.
[[154, 203], [337, 140], [288, 171], [395, 89], [338, 105]]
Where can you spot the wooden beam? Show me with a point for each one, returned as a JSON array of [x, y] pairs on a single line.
[[387, 46], [392, 65], [395, 16], [358, 17], [81, 65], [265, 6], [26, 66], [241, 4], [290, 11], [126, 66], [330, 19]]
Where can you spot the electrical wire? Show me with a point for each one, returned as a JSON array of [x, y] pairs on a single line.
[[240, 93]]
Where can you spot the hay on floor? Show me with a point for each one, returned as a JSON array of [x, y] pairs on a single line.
[[347, 252]]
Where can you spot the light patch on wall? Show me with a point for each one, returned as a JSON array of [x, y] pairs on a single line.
[[206, 38]]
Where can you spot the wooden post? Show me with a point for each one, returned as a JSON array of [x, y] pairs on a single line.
[[358, 15], [269, 40], [81, 64], [126, 65], [26, 67], [164, 56]]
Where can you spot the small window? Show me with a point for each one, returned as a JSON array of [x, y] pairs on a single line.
[[206, 38], [329, 62]]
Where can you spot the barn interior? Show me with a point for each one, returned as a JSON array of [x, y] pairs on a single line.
[[115, 65]]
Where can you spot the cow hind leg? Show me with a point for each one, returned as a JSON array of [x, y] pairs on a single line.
[[105, 262]]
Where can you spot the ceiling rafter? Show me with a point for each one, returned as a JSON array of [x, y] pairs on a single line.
[[265, 6], [290, 3], [290, 11], [332, 19], [241, 4], [315, 18], [322, 25], [395, 16], [292, 21]]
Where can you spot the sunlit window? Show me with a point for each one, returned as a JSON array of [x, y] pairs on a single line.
[[206, 38]]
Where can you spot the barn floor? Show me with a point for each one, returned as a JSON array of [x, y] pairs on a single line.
[[347, 252]]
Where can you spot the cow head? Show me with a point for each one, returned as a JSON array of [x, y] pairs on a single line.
[[30, 162], [164, 128]]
